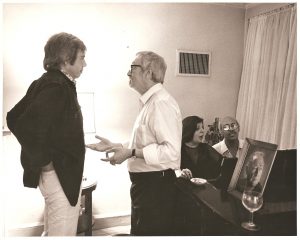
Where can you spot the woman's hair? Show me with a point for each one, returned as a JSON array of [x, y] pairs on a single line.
[[189, 126], [156, 63], [60, 48]]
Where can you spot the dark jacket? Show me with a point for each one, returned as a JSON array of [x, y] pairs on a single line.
[[207, 165], [47, 122]]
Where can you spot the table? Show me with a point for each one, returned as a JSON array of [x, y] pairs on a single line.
[[275, 217], [85, 222]]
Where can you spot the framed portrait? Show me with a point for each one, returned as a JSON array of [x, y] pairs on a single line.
[[253, 167]]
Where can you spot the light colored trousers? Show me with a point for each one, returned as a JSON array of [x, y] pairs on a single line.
[[60, 218]]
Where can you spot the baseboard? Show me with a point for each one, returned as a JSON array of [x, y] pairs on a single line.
[[28, 230], [111, 221], [101, 221]]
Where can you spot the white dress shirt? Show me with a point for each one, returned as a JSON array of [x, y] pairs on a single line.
[[157, 131], [222, 149]]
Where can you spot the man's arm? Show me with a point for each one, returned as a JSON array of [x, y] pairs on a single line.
[[18, 109], [103, 145], [121, 154], [33, 126], [166, 125]]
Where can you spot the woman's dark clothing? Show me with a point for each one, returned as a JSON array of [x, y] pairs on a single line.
[[204, 162], [48, 123], [207, 164], [153, 196]]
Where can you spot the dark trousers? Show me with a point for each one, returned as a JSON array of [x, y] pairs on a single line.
[[153, 196]]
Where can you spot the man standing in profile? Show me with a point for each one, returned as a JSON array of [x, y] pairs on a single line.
[[153, 152], [47, 122]]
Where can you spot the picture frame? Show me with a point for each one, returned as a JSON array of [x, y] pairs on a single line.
[[193, 63], [253, 167]]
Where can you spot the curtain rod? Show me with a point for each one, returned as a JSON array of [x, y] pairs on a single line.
[[274, 11]]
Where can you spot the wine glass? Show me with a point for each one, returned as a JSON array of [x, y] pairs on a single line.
[[252, 201]]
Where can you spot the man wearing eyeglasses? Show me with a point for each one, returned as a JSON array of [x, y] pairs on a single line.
[[154, 150], [231, 146]]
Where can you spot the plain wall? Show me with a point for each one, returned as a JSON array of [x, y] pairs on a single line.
[[113, 33]]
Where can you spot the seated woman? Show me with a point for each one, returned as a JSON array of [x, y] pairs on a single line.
[[198, 160]]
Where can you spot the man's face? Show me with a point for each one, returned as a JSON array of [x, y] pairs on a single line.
[[136, 76], [254, 168], [230, 129], [76, 69]]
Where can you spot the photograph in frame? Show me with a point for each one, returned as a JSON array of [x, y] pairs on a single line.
[[253, 167]]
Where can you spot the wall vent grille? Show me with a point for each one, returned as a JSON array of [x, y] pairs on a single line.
[[193, 63]]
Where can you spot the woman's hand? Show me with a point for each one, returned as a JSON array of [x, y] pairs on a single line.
[[186, 173]]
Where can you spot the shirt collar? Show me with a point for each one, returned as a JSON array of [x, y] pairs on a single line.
[[241, 143], [145, 97], [69, 76], [225, 149]]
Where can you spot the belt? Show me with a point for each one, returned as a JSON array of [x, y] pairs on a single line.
[[135, 176]]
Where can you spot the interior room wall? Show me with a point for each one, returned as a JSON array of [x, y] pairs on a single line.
[[113, 33]]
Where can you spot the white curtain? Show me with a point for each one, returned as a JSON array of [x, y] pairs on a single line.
[[267, 98]]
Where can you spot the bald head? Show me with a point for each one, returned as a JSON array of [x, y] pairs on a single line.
[[228, 120], [230, 128]]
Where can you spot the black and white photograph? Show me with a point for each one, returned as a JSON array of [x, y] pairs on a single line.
[[253, 167], [148, 118]]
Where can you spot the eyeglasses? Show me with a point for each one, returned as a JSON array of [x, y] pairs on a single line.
[[232, 126], [134, 66]]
